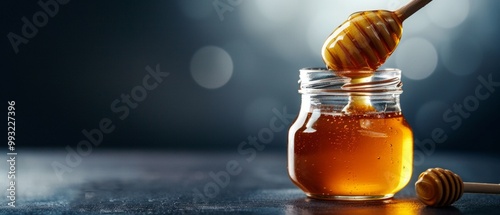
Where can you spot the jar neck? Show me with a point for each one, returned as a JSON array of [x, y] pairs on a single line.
[[326, 91], [320, 81], [351, 104]]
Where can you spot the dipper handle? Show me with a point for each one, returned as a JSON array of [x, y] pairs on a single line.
[[410, 8], [473, 187]]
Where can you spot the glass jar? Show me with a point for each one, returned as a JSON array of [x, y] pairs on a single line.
[[350, 140]]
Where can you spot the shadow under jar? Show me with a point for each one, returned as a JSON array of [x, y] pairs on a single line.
[[350, 140]]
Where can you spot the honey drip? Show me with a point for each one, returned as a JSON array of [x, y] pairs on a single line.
[[359, 104]]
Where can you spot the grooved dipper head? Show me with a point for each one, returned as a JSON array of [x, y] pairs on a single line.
[[439, 187], [363, 42]]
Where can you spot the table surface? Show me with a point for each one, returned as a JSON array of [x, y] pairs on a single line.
[[166, 182]]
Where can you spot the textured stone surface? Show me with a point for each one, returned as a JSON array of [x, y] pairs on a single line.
[[140, 182]]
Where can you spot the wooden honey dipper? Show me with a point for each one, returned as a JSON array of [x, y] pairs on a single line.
[[364, 42], [441, 187]]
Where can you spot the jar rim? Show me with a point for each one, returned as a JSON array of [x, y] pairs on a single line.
[[317, 80], [323, 69]]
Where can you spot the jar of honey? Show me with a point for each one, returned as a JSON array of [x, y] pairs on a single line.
[[350, 140]]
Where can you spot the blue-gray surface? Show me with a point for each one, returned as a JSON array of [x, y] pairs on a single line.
[[139, 182]]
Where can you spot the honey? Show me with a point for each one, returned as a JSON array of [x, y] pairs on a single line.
[[351, 156], [362, 43], [350, 140]]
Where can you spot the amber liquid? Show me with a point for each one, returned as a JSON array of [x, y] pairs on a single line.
[[350, 156]]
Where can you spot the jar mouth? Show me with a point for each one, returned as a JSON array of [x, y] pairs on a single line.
[[323, 81]]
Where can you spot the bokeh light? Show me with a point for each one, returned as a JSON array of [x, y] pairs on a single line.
[[417, 57], [211, 67], [448, 13]]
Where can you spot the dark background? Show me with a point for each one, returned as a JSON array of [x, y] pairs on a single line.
[[91, 52]]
